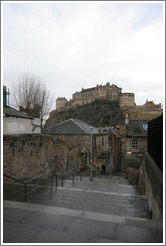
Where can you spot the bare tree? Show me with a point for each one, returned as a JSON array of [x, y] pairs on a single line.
[[31, 96]]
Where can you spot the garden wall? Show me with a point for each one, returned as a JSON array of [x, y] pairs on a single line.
[[151, 185]]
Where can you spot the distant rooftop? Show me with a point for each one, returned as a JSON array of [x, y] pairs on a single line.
[[137, 128], [71, 126], [15, 113]]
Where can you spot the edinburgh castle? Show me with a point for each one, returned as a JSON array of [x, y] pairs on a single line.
[[106, 92]]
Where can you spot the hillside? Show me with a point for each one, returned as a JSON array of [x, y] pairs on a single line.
[[99, 113]]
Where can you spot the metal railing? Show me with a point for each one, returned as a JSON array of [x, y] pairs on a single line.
[[86, 172], [73, 171], [98, 172], [52, 173], [25, 183]]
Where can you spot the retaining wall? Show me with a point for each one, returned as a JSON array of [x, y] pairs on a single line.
[[151, 185], [26, 156]]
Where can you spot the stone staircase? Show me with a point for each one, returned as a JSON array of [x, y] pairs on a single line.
[[105, 210]]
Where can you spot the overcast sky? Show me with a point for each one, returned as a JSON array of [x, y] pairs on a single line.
[[75, 45]]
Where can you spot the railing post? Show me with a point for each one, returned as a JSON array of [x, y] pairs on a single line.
[[56, 180], [73, 177], [25, 192], [51, 179], [62, 180]]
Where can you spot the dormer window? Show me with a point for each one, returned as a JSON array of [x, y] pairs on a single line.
[[145, 127]]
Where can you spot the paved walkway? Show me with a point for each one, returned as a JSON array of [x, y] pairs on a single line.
[[106, 210]]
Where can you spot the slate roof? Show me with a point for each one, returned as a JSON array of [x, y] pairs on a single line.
[[135, 128], [15, 113], [71, 126]]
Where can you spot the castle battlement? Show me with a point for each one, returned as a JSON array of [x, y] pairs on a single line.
[[106, 92], [88, 95]]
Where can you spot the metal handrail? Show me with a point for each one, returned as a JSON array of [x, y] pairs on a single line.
[[25, 183], [98, 172], [28, 181], [74, 172], [85, 172], [79, 175], [68, 172], [62, 175]]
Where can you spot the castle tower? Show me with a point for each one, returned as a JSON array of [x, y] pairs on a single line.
[[127, 100], [61, 102]]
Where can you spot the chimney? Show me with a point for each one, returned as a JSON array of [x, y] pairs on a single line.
[[127, 119]]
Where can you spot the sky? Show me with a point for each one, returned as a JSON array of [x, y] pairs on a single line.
[[75, 45]]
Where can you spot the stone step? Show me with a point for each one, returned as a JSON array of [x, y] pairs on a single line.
[[106, 194], [106, 210], [35, 223], [82, 198]]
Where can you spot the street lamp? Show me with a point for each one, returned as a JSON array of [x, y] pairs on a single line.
[[111, 160], [91, 154]]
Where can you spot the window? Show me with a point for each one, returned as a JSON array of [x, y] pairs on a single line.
[[134, 144], [145, 127]]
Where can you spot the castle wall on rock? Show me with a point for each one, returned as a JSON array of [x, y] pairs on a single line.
[[110, 93], [149, 106], [106, 92]]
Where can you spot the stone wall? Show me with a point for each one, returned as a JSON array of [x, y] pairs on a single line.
[[26, 156], [86, 96], [151, 185], [142, 144], [127, 100]]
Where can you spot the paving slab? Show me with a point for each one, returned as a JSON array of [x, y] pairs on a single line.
[[44, 224], [106, 210]]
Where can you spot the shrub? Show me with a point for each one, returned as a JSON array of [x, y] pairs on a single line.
[[133, 175], [131, 168], [132, 161]]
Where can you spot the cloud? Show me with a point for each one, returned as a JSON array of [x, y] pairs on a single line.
[[81, 44]]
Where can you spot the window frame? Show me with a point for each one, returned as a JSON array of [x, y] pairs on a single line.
[[134, 145]]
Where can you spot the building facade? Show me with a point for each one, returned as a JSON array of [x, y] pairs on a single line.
[[16, 122], [73, 139], [135, 137]]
